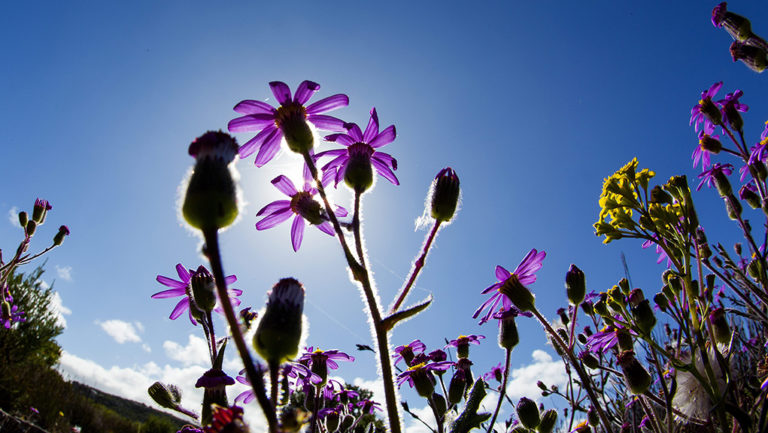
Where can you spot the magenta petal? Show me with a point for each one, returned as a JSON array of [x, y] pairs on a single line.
[[354, 131], [342, 139], [341, 170], [281, 91], [184, 275], [275, 206], [326, 228], [502, 274], [335, 162], [171, 282], [273, 220], [170, 293], [340, 211], [231, 279], [251, 122], [328, 176], [285, 185], [384, 171], [386, 159], [253, 107], [305, 91], [251, 145], [328, 104], [327, 123], [385, 137], [269, 149], [373, 127], [297, 232], [180, 307]]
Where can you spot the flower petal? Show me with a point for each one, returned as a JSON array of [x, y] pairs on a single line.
[[297, 232], [384, 171], [502, 274], [269, 149], [354, 131], [285, 185], [170, 293], [326, 123], [231, 279], [342, 139], [171, 282], [305, 91], [251, 145], [373, 127], [250, 106], [325, 228], [279, 205], [386, 158], [180, 307], [273, 220], [251, 122], [385, 137], [327, 104], [340, 211], [281, 91]]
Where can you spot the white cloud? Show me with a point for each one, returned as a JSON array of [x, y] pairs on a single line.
[[13, 216], [415, 426], [145, 347], [58, 308], [64, 272], [523, 380], [120, 331], [194, 353]]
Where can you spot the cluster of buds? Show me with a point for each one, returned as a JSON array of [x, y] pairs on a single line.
[[747, 46]]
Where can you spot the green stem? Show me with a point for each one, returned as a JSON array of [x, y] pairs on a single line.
[[502, 391], [417, 266]]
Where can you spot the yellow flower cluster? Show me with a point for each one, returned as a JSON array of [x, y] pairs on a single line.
[[621, 196]]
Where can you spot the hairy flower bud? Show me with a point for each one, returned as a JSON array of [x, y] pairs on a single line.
[[167, 396], [635, 297], [23, 218], [703, 250], [750, 196], [644, 317], [508, 336], [39, 211], [528, 412], [720, 328], [63, 232], [661, 301], [624, 339], [592, 417], [203, 289], [589, 360], [445, 195], [575, 284], [210, 201], [30, 228], [636, 377], [359, 171], [457, 387], [733, 207], [709, 143], [754, 57], [279, 331], [548, 421], [658, 195]]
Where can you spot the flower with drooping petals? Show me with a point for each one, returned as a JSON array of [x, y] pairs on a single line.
[[419, 376], [524, 274], [368, 406], [731, 108], [495, 373], [406, 352], [707, 145], [182, 287], [462, 343], [707, 111], [361, 150], [288, 121], [717, 169], [302, 205], [320, 360]]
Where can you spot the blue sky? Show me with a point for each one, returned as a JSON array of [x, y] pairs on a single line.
[[532, 103]]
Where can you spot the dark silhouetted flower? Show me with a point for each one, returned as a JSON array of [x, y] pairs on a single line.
[[182, 287], [524, 274], [717, 169], [407, 351], [272, 124], [707, 111]]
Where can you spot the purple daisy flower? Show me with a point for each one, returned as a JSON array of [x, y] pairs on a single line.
[[732, 107], [368, 406], [359, 143], [764, 135], [419, 369], [601, 341], [315, 356], [707, 111], [302, 205], [183, 288], [407, 351], [525, 274], [271, 123], [496, 373], [708, 176], [11, 315], [465, 340], [702, 152]]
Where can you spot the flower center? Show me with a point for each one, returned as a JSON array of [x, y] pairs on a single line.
[[291, 111], [508, 286], [308, 208]]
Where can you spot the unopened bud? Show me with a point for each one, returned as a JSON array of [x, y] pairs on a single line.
[[359, 171], [592, 417], [457, 387], [754, 57], [624, 339], [589, 360], [747, 194], [661, 301], [658, 195], [709, 144], [582, 338], [575, 285], [167, 396], [704, 251], [635, 297], [23, 218], [439, 403], [279, 331], [40, 209], [63, 232], [347, 422], [736, 25], [30, 228], [644, 317], [508, 335], [445, 195], [528, 412], [210, 201], [720, 327], [636, 377], [624, 285], [733, 207], [722, 183], [548, 421]]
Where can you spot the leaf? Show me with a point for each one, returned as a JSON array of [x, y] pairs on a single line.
[[470, 419], [390, 321]]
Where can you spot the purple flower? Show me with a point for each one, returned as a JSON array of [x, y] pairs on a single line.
[[708, 176], [659, 250], [345, 395], [732, 107], [183, 288], [707, 111], [271, 124], [320, 361], [10, 313], [525, 274], [701, 152], [302, 205], [764, 135], [419, 369], [407, 351], [368, 406], [465, 340], [362, 144], [496, 373], [601, 341]]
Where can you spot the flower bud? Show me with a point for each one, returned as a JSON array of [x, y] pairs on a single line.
[[602, 308], [63, 232], [644, 317], [359, 172], [515, 291], [709, 143], [736, 25], [592, 417], [624, 339], [203, 289], [279, 331], [733, 207], [30, 228], [750, 196], [347, 422], [575, 285], [457, 387], [720, 329], [548, 421], [23, 218], [658, 195], [210, 201], [528, 412], [167, 396], [635, 297], [582, 338], [332, 420], [636, 377], [661, 301], [754, 57], [39, 211], [508, 336], [439, 403], [704, 252], [722, 183], [215, 382], [676, 284], [589, 360], [445, 195], [5, 313], [624, 285]]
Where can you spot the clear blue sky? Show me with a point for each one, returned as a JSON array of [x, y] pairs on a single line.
[[533, 103]]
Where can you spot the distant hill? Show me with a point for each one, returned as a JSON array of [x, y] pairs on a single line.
[[129, 409]]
